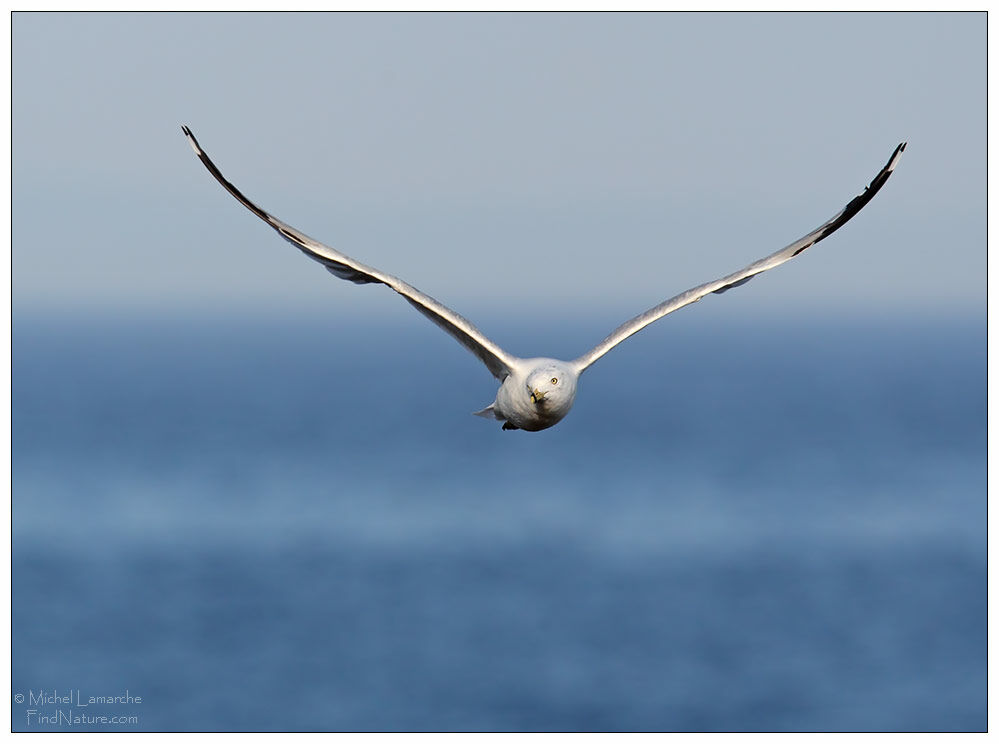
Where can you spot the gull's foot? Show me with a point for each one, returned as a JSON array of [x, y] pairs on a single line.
[[507, 426]]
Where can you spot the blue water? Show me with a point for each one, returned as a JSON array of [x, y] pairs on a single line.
[[277, 525]]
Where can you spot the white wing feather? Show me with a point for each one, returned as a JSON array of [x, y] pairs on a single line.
[[499, 362], [718, 286]]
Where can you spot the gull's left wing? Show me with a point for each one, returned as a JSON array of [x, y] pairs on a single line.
[[726, 283], [499, 362]]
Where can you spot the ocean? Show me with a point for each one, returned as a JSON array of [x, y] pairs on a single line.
[[253, 524]]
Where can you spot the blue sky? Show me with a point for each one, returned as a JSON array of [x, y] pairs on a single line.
[[558, 161]]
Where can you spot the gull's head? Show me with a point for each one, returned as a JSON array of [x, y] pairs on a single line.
[[551, 388]]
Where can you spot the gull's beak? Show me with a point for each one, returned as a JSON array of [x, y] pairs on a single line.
[[537, 396]]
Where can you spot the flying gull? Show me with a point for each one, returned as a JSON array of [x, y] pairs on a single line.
[[535, 394]]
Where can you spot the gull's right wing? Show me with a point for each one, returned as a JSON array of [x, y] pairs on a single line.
[[498, 361], [726, 283]]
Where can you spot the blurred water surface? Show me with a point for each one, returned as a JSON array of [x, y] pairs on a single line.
[[261, 525]]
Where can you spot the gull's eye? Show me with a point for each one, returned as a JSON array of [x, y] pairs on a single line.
[[554, 381]]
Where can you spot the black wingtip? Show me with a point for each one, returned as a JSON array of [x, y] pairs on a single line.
[[893, 160], [191, 140]]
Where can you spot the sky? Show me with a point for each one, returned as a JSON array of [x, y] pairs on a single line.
[[530, 163]]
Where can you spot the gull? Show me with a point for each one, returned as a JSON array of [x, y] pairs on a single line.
[[537, 393]]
